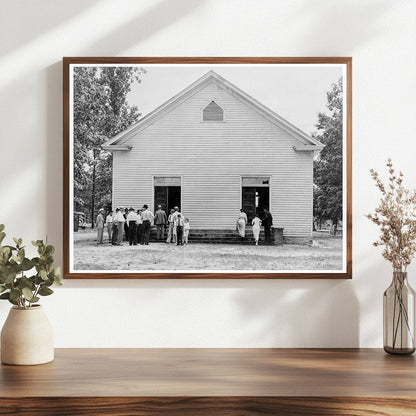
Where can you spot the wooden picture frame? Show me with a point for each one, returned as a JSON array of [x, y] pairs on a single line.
[[207, 115]]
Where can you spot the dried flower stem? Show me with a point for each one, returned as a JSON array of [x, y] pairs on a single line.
[[396, 217]]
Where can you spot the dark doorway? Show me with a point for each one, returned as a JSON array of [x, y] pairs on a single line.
[[254, 200], [168, 197]]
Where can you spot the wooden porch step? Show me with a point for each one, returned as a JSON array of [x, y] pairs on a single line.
[[217, 236]]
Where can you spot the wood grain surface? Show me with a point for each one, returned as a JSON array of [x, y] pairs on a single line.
[[212, 381]]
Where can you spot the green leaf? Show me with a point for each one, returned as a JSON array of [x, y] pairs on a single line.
[[27, 293], [58, 281], [57, 272], [43, 274], [37, 280], [45, 291], [21, 255], [26, 264], [5, 250], [48, 260], [2, 288], [9, 277], [4, 255], [7, 297], [2, 227], [11, 248], [24, 282], [49, 250], [15, 294], [2, 236]]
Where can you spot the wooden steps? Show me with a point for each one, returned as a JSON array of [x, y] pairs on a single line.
[[218, 236]]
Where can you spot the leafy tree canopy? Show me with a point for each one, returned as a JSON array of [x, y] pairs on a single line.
[[100, 111], [328, 167]]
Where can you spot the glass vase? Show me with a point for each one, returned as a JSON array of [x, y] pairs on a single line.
[[399, 316]]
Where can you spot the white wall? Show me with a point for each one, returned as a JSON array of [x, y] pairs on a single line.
[[380, 35]]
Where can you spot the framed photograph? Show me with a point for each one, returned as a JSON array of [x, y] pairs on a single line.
[[207, 168]]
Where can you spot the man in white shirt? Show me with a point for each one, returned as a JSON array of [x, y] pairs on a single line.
[[139, 227], [132, 223], [109, 225], [99, 223], [147, 218], [170, 226], [114, 237], [174, 222], [120, 220]]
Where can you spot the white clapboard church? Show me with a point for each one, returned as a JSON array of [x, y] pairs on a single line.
[[211, 150]]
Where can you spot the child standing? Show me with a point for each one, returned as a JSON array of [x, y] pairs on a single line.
[[186, 229]]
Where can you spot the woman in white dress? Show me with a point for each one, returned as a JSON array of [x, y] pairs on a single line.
[[241, 223], [256, 228]]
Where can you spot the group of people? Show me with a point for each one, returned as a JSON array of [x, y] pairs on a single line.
[[266, 222], [135, 226]]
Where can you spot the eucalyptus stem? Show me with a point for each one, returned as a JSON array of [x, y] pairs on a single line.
[[23, 280]]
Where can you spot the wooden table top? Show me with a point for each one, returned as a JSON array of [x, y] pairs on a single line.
[[214, 372]]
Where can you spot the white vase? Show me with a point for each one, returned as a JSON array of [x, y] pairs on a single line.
[[27, 337]]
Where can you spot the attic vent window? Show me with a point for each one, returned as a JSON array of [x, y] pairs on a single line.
[[212, 112]]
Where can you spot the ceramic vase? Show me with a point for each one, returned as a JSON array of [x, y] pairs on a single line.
[[27, 337]]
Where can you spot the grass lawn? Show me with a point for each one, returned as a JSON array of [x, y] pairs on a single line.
[[324, 254]]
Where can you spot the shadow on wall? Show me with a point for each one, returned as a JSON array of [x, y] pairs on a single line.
[[299, 313], [338, 19], [39, 15], [158, 17], [54, 145]]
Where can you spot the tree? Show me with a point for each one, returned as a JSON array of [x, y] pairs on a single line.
[[101, 111], [328, 167]]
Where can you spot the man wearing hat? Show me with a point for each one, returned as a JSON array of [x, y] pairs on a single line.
[[109, 224], [160, 221], [114, 234], [99, 223], [120, 221], [132, 230], [171, 231], [147, 218]]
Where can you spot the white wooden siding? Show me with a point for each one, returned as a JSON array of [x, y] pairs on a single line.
[[211, 158]]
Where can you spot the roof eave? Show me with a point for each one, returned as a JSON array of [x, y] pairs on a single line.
[[114, 147], [308, 148]]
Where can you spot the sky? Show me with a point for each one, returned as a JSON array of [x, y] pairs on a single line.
[[295, 92]]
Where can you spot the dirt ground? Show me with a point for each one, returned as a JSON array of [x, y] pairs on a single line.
[[324, 254]]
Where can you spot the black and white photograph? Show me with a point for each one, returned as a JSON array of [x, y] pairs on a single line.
[[207, 168]]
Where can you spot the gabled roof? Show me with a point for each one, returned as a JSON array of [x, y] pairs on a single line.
[[119, 142]]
